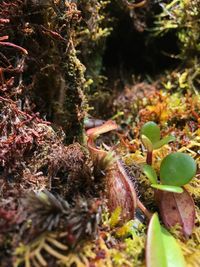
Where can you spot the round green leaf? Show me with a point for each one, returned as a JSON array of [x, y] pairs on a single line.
[[169, 188], [177, 169], [151, 130], [150, 173]]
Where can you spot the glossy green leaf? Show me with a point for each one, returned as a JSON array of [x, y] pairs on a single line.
[[150, 173], [164, 141], [169, 188], [162, 250], [155, 253], [177, 169], [147, 143], [173, 252], [152, 131]]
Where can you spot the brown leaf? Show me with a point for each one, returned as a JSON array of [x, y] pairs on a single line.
[[177, 209]]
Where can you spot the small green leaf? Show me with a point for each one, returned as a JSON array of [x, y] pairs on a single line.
[[147, 143], [177, 169], [164, 141], [152, 131], [169, 188], [150, 173], [162, 250]]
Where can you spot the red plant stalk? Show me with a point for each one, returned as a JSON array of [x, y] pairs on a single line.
[[3, 38]]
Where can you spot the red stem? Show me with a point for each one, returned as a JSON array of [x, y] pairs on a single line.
[[149, 157]]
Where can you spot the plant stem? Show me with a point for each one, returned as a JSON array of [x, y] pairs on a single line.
[[147, 213], [149, 157]]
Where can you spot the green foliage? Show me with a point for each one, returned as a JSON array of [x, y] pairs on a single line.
[[164, 141], [177, 169], [152, 131], [150, 173], [162, 249], [170, 188], [90, 37], [150, 135], [184, 17]]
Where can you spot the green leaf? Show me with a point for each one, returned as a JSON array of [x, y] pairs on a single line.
[[150, 173], [169, 188], [147, 143], [152, 131], [155, 253], [162, 250], [164, 141], [173, 251], [177, 169]]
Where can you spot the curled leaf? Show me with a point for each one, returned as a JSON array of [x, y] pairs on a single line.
[[147, 142], [169, 188], [150, 173], [177, 209], [93, 133], [162, 250], [104, 128]]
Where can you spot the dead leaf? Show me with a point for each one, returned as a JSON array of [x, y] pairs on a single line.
[[177, 209]]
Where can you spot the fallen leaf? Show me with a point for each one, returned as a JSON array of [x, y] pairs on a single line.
[[177, 209]]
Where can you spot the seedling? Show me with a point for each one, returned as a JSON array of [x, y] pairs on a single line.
[[151, 139], [176, 170]]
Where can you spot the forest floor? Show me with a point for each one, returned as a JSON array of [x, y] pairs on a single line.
[[76, 92]]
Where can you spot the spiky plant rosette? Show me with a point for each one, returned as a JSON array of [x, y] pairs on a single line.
[[48, 212]]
